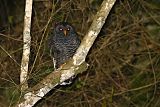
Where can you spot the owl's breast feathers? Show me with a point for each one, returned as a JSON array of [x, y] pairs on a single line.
[[64, 48]]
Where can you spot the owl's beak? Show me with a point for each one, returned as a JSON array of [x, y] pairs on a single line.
[[65, 32]]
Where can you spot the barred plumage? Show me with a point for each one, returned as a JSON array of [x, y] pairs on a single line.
[[63, 43]]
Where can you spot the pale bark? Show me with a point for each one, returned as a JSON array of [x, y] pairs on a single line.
[[74, 66], [26, 45], [93, 31]]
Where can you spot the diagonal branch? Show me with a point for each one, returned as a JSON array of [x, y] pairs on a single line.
[[74, 66], [93, 31], [26, 46]]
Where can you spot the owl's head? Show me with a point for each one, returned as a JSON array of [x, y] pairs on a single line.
[[64, 29]]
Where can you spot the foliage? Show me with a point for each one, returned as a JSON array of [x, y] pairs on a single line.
[[124, 60]]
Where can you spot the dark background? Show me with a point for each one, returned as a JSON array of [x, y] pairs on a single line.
[[124, 61]]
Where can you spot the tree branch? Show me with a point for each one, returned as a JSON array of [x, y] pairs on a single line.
[[93, 31], [26, 46], [74, 66]]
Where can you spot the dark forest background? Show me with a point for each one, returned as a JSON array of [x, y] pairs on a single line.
[[124, 61]]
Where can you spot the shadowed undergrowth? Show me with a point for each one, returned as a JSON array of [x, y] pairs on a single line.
[[124, 60]]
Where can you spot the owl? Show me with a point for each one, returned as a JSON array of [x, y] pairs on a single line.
[[63, 43]]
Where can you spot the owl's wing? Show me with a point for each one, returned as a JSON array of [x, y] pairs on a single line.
[[51, 46], [57, 52]]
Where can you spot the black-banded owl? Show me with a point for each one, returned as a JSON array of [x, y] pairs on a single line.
[[63, 43]]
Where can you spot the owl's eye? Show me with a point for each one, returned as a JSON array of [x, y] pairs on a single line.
[[60, 29], [68, 29]]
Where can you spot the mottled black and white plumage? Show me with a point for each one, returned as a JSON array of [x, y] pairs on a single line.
[[63, 43]]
